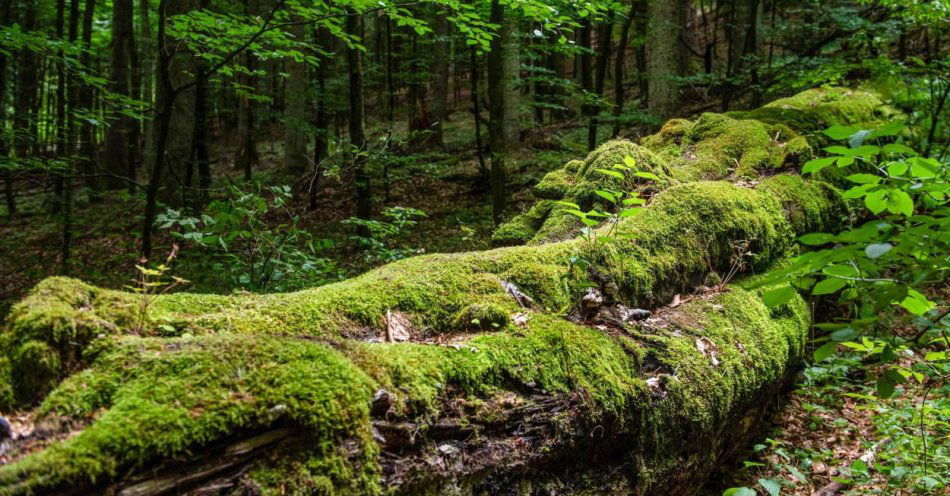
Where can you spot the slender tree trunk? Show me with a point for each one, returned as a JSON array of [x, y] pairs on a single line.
[[390, 83], [603, 46], [499, 99], [295, 115], [148, 80], [26, 92], [247, 144], [665, 58], [175, 110], [59, 131], [70, 135], [619, 68], [584, 67], [440, 76], [85, 99], [320, 139], [200, 160], [118, 143], [477, 113], [354, 27], [4, 148]]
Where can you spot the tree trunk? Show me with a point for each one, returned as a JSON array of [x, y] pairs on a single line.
[[603, 57], [665, 57], [364, 200], [4, 149], [84, 95], [619, 68], [477, 113], [118, 142], [321, 122], [440, 76], [499, 99], [26, 91], [146, 47], [295, 114]]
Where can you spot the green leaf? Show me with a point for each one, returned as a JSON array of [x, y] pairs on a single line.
[[864, 178], [885, 386], [612, 173], [899, 202], [629, 161], [828, 286], [842, 335], [875, 250], [825, 351], [776, 297], [924, 168], [647, 175], [899, 149], [817, 164], [897, 169], [770, 486], [814, 239], [606, 195], [840, 132], [738, 491], [916, 303], [845, 161], [876, 201], [892, 128]]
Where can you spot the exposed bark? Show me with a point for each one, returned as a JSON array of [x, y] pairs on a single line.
[[295, 112], [604, 33], [440, 76], [8, 192], [118, 145], [477, 112], [321, 122], [500, 106], [364, 200], [619, 65], [665, 57]]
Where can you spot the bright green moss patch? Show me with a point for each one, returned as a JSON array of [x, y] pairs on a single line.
[[816, 109], [734, 145]]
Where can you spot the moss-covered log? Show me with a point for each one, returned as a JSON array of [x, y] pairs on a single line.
[[494, 372]]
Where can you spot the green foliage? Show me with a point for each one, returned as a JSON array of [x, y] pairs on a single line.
[[891, 260], [379, 239], [254, 239]]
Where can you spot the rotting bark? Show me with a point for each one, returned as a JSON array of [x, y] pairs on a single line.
[[490, 393]]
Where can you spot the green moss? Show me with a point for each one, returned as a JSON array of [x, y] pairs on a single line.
[[524, 226], [809, 206], [483, 317], [816, 109], [735, 145], [554, 184]]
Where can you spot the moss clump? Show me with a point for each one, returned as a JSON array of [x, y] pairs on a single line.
[[554, 185], [809, 206], [483, 317], [716, 146], [522, 227], [816, 109]]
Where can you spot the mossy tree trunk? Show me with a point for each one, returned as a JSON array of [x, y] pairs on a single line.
[[491, 372]]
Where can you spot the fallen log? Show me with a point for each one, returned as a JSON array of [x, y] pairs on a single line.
[[439, 374]]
